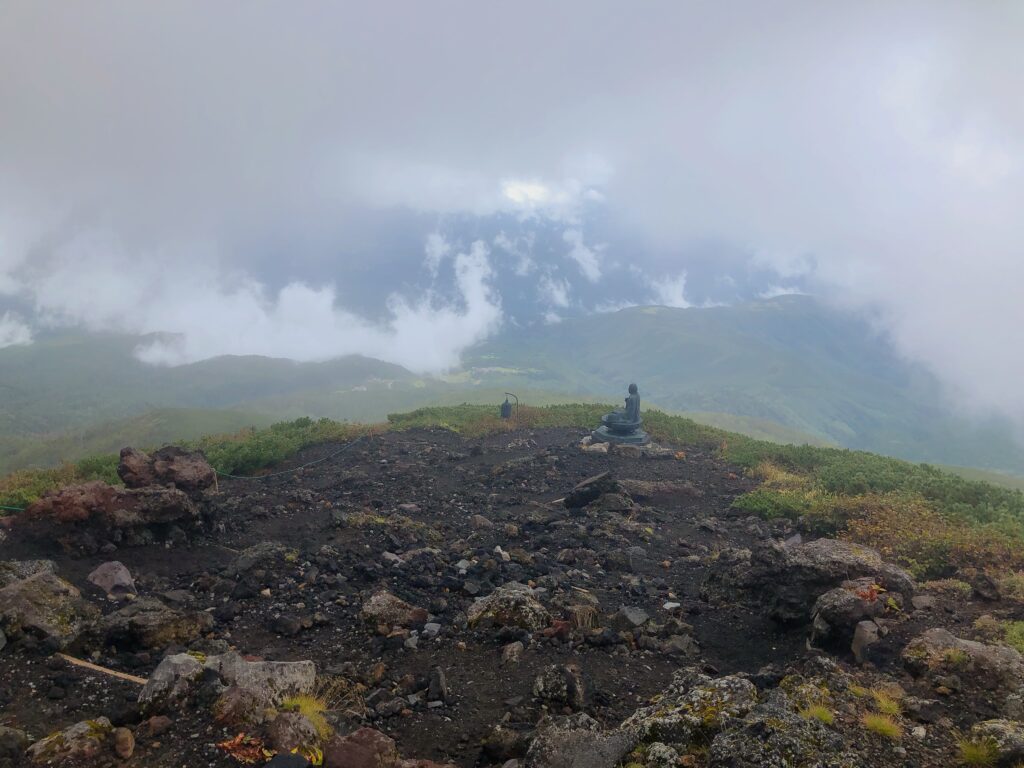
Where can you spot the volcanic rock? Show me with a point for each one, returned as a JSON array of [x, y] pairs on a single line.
[[148, 623], [114, 579], [79, 742], [773, 734], [77, 515], [591, 489], [289, 730], [510, 605], [562, 685], [787, 580], [188, 471], [938, 655], [384, 608], [47, 607], [365, 748]]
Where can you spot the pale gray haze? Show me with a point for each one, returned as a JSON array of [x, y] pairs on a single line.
[[311, 179]]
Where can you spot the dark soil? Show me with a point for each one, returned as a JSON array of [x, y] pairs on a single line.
[[511, 479]]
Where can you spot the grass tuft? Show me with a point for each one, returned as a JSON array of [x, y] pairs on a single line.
[[818, 712], [882, 725], [977, 753]]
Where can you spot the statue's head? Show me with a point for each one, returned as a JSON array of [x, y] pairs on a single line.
[[632, 389]]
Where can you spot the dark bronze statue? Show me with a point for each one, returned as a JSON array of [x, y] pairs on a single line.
[[623, 426]]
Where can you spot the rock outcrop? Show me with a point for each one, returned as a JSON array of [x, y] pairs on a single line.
[[786, 581], [82, 517], [188, 471]]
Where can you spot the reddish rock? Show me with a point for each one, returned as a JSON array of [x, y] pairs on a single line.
[[365, 748], [64, 515], [188, 471]]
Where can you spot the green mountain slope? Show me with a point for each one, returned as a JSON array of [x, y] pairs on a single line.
[[787, 370], [790, 360]]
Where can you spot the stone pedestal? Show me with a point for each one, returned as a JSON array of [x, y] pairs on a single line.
[[614, 434]]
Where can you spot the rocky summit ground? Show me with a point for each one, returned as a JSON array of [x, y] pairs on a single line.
[[469, 602]]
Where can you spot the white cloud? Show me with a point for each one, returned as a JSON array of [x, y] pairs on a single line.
[[552, 318], [13, 332], [670, 291], [892, 170], [94, 282], [553, 291], [435, 249], [587, 259], [521, 249]]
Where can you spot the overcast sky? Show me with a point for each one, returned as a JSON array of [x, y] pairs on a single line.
[[403, 179]]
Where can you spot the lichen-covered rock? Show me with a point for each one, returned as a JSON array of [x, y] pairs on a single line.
[[661, 756], [577, 742], [175, 677], [1007, 736], [81, 741], [47, 607], [188, 471], [694, 706], [277, 679], [937, 651], [788, 580], [17, 570], [511, 605], [148, 623], [384, 608], [772, 735], [561, 685]]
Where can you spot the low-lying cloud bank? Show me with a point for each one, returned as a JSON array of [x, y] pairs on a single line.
[[870, 153], [204, 311]]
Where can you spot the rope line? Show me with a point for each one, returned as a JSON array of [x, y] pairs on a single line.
[[12, 509], [294, 469]]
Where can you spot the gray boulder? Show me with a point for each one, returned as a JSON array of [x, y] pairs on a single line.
[[772, 735], [511, 605], [693, 706], [114, 579], [788, 580], [175, 677], [561, 685], [577, 742], [938, 653], [47, 607], [148, 623]]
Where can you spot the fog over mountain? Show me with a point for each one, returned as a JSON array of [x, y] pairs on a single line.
[[405, 180]]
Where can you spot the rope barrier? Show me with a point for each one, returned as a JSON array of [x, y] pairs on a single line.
[[12, 509]]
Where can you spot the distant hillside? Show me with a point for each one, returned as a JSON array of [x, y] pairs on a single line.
[[786, 370], [790, 360]]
